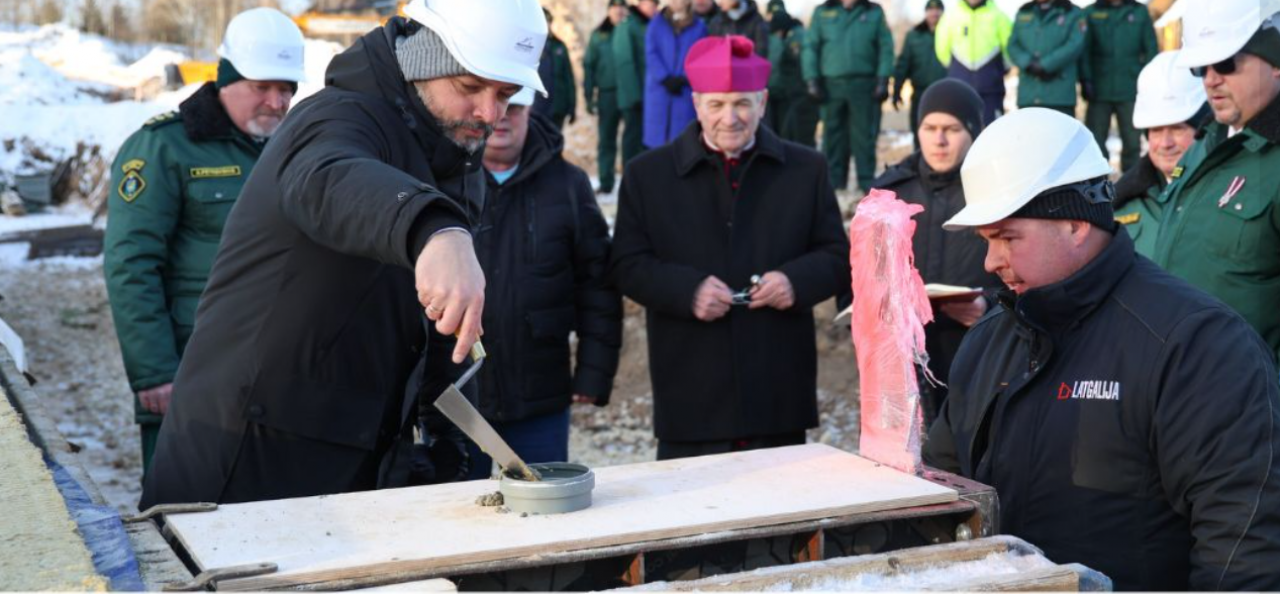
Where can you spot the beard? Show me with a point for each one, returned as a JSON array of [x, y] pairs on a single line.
[[264, 130], [454, 129]]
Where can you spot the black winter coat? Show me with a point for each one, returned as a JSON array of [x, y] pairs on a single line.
[[1129, 422], [750, 25], [951, 258], [751, 373], [544, 246], [305, 338]]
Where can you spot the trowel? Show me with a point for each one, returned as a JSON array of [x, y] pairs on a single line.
[[458, 409]]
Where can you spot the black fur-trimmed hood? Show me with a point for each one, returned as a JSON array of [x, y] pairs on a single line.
[[204, 117], [1267, 123]]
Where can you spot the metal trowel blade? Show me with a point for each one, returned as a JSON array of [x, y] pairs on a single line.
[[458, 409]]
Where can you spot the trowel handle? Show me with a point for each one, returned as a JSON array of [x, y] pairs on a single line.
[[477, 349]]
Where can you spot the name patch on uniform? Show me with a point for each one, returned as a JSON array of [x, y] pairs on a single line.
[[227, 171], [1177, 172], [830, 14], [1099, 15], [1089, 390], [1129, 219]]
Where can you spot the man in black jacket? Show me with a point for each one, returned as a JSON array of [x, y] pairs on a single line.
[[732, 359], [1127, 420], [741, 17], [544, 247], [950, 119], [310, 348]]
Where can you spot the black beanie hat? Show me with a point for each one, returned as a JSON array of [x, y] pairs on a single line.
[[1089, 201], [954, 97]]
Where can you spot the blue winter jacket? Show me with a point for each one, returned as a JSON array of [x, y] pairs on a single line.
[[666, 115]]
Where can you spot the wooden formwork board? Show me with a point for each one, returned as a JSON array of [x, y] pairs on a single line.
[[895, 571], [318, 540]]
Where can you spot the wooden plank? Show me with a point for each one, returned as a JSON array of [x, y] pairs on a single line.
[[1047, 579], [1031, 572], [804, 576], [315, 540]]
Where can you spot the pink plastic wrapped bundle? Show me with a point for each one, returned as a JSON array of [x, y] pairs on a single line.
[[890, 309]]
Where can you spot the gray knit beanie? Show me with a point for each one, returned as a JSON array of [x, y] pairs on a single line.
[[423, 56]]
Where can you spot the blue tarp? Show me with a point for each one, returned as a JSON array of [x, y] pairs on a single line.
[[103, 533]]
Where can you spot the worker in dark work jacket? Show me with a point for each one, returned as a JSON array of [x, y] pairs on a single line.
[[951, 118], [347, 269], [1129, 421], [544, 247]]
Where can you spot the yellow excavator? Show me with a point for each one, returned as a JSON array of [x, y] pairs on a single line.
[[341, 27]]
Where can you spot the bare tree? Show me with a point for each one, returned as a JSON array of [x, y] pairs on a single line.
[[49, 12], [120, 24], [91, 20], [169, 21]]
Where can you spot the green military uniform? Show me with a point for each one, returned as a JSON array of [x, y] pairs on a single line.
[[919, 64], [600, 87], [1053, 39], [1221, 229], [1138, 205], [173, 184], [850, 52], [791, 113], [1120, 42], [564, 101], [628, 62]]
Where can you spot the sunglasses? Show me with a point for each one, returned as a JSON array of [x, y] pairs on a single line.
[[1225, 67]]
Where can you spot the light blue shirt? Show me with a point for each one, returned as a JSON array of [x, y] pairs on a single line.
[[503, 176]]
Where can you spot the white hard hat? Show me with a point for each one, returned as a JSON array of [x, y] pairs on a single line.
[[1019, 156], [1214, 30], [524, 97], [264, 44], [495, 39], [1167, 94]]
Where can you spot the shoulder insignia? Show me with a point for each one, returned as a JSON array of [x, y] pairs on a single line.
[[1177, 172], [132, 185], [133, 165], [1129, 219], [160, 119], [224, 171]]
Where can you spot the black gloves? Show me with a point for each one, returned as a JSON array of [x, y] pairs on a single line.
[[897, 96], [882, 90], [675, 84], [1086, 89], [816, 91], [1036, 70]]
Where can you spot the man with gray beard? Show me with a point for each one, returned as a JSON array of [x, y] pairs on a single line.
[[173, 184], [311, 348]]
